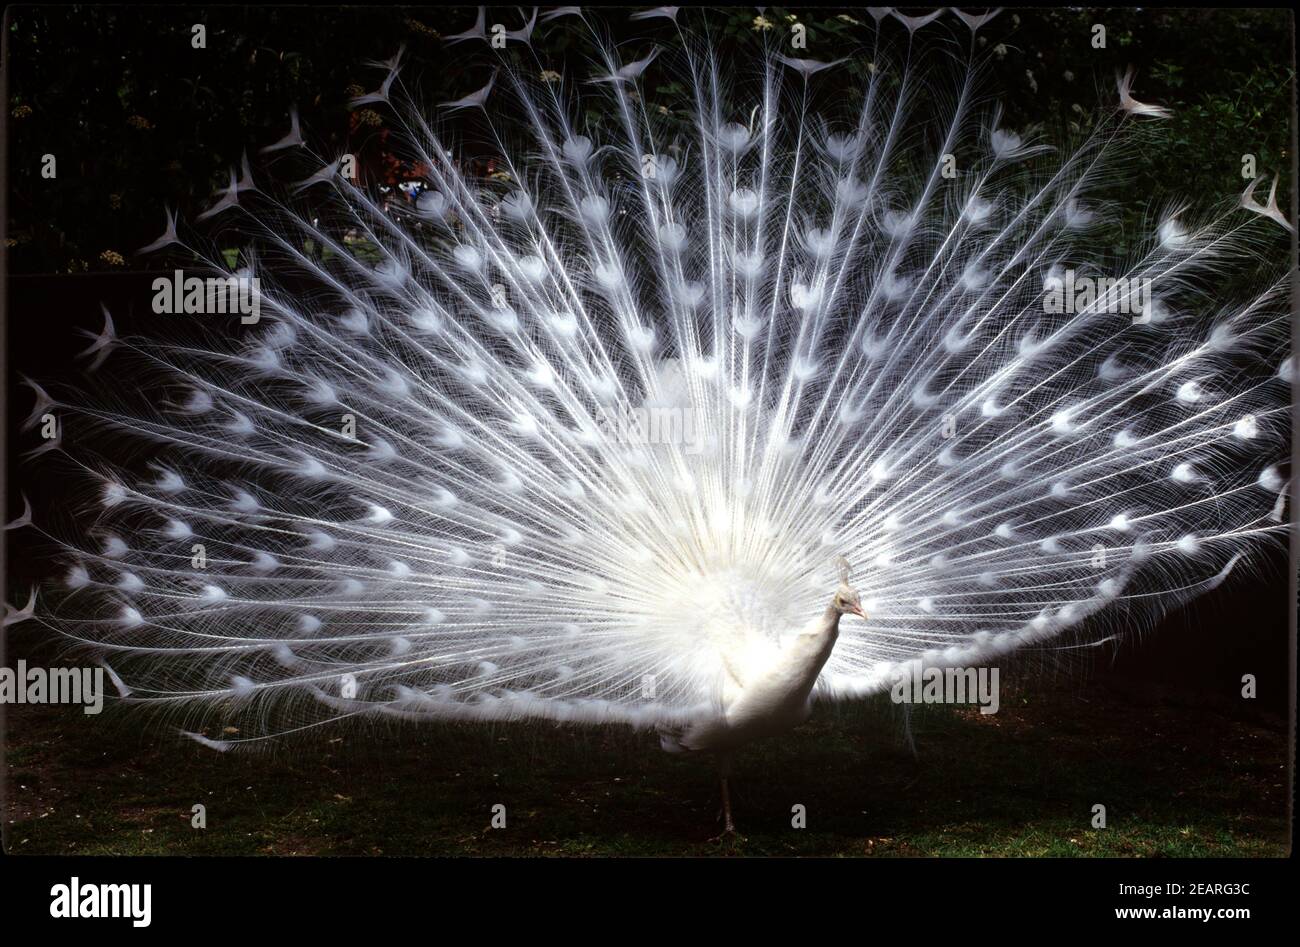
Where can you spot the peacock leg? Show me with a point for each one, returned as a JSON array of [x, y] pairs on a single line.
[[724, 771]]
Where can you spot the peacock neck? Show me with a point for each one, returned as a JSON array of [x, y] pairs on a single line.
[[830, 621], [827, 630]]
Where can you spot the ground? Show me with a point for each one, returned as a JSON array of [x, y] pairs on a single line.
[[1177, 778]]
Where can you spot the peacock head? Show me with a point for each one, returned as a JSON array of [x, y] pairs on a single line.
[[847, 601]]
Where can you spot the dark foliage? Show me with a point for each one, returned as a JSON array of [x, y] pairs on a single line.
[[139, 119]]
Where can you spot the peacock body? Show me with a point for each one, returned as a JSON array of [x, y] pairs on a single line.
[[581, 440]]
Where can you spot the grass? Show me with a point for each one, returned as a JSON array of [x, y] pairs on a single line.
[[1176, 780]]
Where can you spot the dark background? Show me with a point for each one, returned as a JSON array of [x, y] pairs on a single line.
[[139, 119]]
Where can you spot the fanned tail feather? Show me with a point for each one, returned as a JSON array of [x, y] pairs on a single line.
[[554, 444]]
